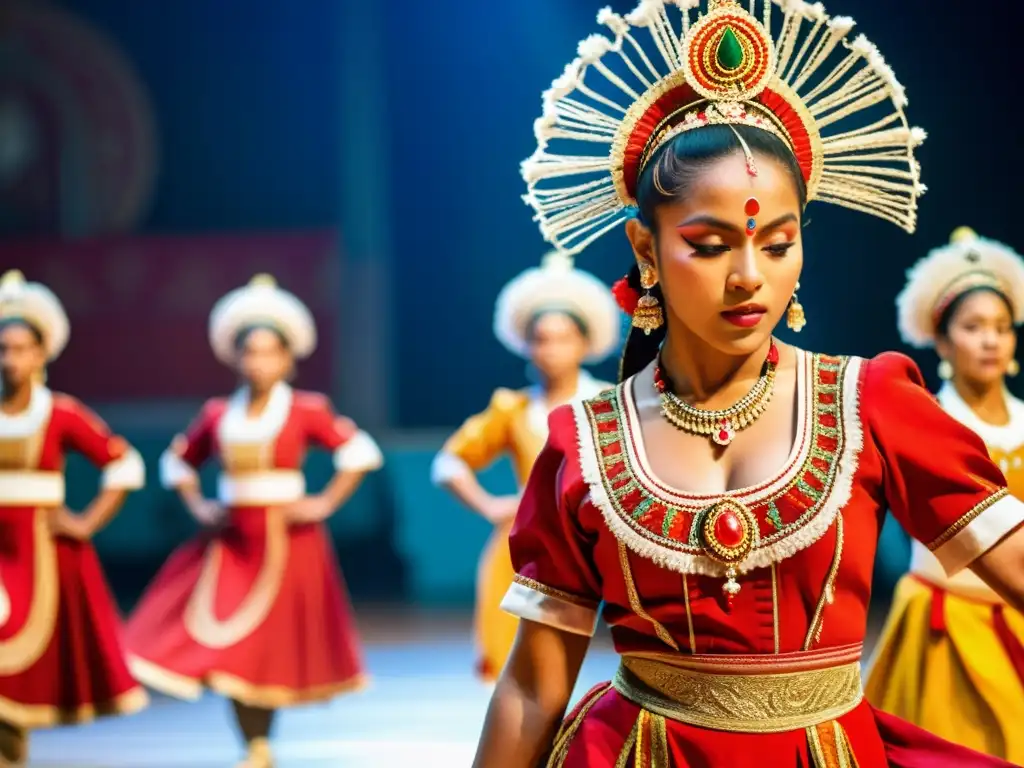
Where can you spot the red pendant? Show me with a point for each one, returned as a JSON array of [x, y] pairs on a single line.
[[752, 208], [724, 434]]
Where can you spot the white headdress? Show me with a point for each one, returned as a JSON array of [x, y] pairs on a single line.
[[261, 302], [37, 305], [833, 101], [934, 282], [556, 285]]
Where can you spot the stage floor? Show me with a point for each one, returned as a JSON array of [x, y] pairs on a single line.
[[423, 708]]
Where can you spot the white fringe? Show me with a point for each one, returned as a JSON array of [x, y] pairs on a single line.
[[762, 557]]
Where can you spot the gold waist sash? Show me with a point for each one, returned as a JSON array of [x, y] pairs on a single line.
[[749, 702]]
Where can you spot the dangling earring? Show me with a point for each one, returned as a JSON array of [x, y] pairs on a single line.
[[648, 315], [1013, 368], [795, 317], [945, 370]]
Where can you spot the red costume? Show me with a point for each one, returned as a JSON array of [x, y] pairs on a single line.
[[773, 680], [61, 658], [256, 610]]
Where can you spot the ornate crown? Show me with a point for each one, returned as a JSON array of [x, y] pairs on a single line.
[[967, 262], [625, 96]]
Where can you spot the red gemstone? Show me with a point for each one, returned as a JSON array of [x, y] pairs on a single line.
[[729, 529], [773, 354], [750, 233], [752, 207], [730, 598], [723, 435]]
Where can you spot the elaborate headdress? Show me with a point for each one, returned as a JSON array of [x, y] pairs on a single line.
[[833, 101], [966, 263], [261, 302], [35, 304], [556, 285]]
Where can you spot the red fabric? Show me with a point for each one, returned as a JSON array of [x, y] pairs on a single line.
[[937, 619], [931, 482], [1009, 639], [562, 540], [907, 746], [83, 663], [308, 640]]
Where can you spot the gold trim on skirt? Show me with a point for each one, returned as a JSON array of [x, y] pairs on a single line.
[[741, 703]]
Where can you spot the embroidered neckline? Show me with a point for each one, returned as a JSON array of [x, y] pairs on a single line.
[[793, 509], [18, 426], [237, 427]]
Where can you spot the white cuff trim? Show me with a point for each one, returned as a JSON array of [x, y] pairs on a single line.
[[125, 474], [360, 454], [447, 467], [175, 471], [980, 534], [533, 605]]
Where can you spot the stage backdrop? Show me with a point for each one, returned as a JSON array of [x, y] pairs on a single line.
[[139, 306]]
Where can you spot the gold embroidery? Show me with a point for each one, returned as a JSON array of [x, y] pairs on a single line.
[[689, 613], [828, 593], [557, 594], [30, 716], [565, 735], [634, 600], [753, 703], [231, 686], [775, 608], [201, 620], [24, 649], [627, 747], [967, 519], [829, 746]]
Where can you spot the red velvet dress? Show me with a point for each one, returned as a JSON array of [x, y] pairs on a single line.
[[61, 659], [596, 525], [257, 609]]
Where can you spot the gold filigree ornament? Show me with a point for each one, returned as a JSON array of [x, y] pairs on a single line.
[[728, 532], [671, 66]]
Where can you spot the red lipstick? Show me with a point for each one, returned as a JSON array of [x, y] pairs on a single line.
[[746, 315]]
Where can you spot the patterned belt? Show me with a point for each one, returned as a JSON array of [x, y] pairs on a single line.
[[746, 699]]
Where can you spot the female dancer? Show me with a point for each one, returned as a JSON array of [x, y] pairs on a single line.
[[557, 317], [724, 502], [256, 610], [951, 658], [61, 659]]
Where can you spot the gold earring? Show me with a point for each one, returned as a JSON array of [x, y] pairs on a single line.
[[945, 370], [648, 315], [795, 317], [1013, 368]]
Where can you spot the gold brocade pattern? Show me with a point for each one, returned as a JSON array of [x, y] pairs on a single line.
[[753, 703], [967, 518], [200, 616], [24, 649], [637, 606], [557, 594]]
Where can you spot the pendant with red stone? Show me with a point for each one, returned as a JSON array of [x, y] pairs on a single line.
[[724, 433], [728, 532]]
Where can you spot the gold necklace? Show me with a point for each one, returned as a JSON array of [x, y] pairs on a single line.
[[721, 425]]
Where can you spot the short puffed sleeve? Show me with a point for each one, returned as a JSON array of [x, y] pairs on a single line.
[[939, 481], [189, 450], [556, 582], [480, 441]]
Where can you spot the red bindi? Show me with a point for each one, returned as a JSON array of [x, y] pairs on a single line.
[[751, 208]]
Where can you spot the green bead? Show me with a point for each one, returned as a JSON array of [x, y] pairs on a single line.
[[730, 51]]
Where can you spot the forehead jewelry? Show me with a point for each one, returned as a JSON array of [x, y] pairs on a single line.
[[752, 208]]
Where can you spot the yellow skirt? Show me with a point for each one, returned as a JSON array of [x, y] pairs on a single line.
[[495, 629], [952, 677]]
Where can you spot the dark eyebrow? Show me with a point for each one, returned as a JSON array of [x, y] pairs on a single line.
[[711, 221]]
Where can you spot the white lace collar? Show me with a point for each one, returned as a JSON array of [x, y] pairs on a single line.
[[236, 426], [18, 426], [1005, 438]]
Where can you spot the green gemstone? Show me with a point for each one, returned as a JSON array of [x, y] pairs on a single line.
[[730, 51]]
